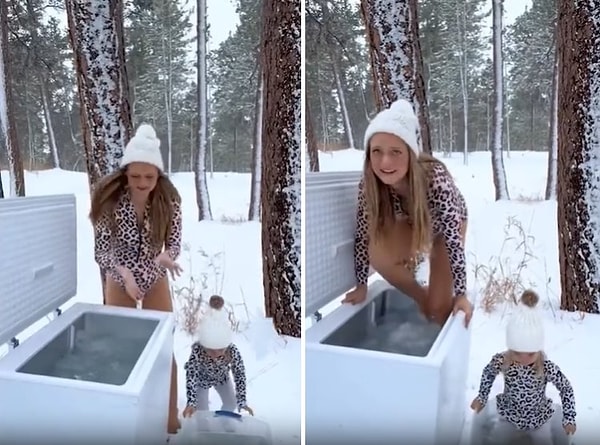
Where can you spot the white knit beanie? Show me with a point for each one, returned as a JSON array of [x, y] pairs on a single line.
[[143, 147], [525, 328], [214, 330], [400, 120]]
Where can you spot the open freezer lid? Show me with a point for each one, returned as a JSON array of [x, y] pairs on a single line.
[[331, 200], [38, 259]]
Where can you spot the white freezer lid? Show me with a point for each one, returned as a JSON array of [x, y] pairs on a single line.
[[38, 259], [331, 200]]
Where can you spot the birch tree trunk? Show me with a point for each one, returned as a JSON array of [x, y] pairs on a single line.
[[579, 154], [396, 61], [498, 114], [254, 211], [8, 127], [202, 198], [281, 161], [553, 135]]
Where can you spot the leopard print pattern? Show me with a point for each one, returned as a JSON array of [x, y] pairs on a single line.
[[203, 371], [129, 244], [448, 211], [523, 402]]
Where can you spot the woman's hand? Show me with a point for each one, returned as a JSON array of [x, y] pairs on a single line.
[[165, 261], [356, 296], [131, 286], [248, 410], [462, 303], [188, 411]]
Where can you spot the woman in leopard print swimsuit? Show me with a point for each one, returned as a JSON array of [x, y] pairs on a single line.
[[523, 406], [136, 212], [213, 358], [408, 206]]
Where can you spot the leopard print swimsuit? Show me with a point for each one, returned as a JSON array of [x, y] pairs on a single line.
[[448, 212], [203, 371], [130, 245], [524, 403]]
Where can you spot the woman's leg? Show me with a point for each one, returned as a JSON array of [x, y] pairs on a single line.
[[391, 256], [159, 299], [115, 295], [440, 292]]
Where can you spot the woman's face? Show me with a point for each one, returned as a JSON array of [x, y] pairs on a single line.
[[389, 157], [141, 178]]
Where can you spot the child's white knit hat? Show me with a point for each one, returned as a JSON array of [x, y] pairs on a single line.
[[215, 330], [525, 328], [400, 120]]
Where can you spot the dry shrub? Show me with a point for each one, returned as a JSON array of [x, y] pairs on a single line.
[[191, 301], [502, 275], [532, 199], [234, 220]]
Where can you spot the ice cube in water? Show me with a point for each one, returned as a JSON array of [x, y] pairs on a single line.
[[101, 358], [402, 331]]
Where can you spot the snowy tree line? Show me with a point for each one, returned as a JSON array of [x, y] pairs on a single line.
[[160, 62], [456, 51]]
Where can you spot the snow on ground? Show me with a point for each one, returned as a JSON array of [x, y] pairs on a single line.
[[273, 363], [571, 338]]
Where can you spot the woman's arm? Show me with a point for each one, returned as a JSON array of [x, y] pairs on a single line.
[[361, 239], [239, 376], [449, 208], [173, 242]]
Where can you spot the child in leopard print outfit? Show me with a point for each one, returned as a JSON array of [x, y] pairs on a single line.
[[212, 359], [523, 405]]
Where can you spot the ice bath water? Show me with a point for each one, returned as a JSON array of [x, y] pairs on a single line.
[[401, 331], [101, 358]]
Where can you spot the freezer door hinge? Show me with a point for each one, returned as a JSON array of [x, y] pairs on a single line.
[[14, 342], [317, 317]]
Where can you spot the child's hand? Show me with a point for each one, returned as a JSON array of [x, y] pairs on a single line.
[[248, 410], [476, 405], [570, 428], [189, 411]]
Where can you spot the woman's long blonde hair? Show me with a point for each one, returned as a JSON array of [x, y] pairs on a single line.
[[110, 188], [379, 199]]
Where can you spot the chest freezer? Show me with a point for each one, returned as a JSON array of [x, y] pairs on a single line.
[[93, 372], [377, 372]]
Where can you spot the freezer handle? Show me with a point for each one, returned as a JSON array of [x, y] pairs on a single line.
[[223, 413]]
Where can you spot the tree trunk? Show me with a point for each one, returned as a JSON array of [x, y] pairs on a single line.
[[96, 36], [553, 135], [396, 61], [312, 150], [202, 198], [344, 108], [254, 211], [498, 114], [281, 160], [8, 127], [579, 155], [49, 125]]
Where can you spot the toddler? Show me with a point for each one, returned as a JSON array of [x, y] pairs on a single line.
[[213, 357], [523, 405]]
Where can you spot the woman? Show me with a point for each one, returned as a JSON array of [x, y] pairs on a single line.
[[136, 211], [409, 206]]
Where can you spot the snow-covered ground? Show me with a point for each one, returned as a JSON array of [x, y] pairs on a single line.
[[494, 236], [227, 252]]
